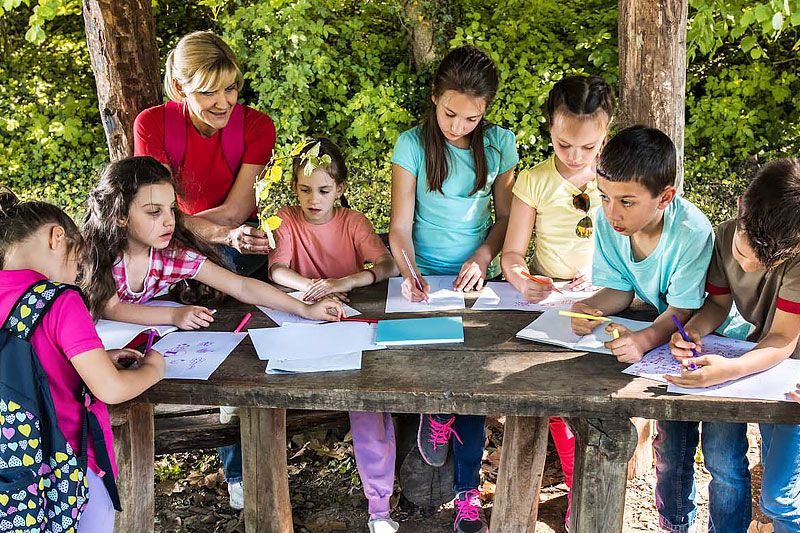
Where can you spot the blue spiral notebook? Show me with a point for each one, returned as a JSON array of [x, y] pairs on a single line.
[[407, 331]]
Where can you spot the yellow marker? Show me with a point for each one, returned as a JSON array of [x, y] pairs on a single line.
[[581, 315], [615, 333]]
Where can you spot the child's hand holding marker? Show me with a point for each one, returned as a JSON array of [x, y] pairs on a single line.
[[192, 317], [581, 282], [328, 309], [582, 325], [414, 289], [536, 288], [709, 370], [685, 349], [625, 345]]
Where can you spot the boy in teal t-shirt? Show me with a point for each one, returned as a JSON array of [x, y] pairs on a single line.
[[650, 243], [657, 246]]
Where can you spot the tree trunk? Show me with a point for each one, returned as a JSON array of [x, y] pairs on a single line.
[[652, 68], [427, 30], [122, 46]]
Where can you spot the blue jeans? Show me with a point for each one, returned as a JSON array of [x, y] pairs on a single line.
[[468, 454], [780, 484], [231, 457], [725, 455]]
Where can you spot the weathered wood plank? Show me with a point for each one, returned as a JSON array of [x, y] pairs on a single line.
[[516, 502], [182, 433], [266, 482], [133, 447], [602, 450]]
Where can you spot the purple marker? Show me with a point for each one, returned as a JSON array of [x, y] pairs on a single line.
[[682, 331], [150, 341]]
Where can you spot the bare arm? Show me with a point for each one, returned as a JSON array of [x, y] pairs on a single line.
[[113, 386], [240, 202], [185, 316], [402, 219], [281, 274], [776, 346], [253, 291]]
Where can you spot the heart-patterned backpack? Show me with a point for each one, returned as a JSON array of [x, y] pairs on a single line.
[[43, 486]]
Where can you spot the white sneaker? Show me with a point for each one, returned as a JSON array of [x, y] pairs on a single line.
[[236, 493], [226, 413], [383, 525]]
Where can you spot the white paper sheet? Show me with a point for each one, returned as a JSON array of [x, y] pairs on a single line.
[[196, 354], [552, 328], [772, 384], [304, 341], [282, 317], [501, 295], [659, 361], [331, 363], [441, 297], [116, 335]]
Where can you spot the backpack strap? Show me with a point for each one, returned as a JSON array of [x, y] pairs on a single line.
[[233, 139], [175, 136], [175, 133], [92, 424], [31, 307]]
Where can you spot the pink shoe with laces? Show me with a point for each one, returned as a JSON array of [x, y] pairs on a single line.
[[433, 438], [469, 513]]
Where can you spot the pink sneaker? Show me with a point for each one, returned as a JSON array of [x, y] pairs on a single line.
[[433, 438], [469, 513]]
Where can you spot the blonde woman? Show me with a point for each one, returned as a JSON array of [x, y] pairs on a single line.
[[214, 146]]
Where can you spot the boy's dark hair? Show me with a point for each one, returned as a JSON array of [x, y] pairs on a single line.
[[641, 154], [106, 238], [769, 212], [19, 220], [467, 70], [580, 96], [337, 170]]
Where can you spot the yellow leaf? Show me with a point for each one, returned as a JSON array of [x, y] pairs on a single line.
[[273, 222], [275, 174]]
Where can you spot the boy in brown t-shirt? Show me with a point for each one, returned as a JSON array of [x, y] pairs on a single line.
[[756, 264]]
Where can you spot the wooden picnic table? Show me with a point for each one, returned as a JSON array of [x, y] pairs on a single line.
[[492, 372]]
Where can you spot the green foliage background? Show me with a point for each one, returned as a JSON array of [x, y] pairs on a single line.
[[343, 68]]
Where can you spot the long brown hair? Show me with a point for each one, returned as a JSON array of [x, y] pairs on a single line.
[[106, 238], [469, 71], [19, 220]]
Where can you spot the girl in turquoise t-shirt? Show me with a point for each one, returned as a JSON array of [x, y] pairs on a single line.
[[446, 174]]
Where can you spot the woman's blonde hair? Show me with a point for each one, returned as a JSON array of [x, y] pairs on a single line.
[[201, 61]]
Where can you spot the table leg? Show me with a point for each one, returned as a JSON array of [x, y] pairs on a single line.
[[602, 450], [135, 454], [516, 502], [266, 482]]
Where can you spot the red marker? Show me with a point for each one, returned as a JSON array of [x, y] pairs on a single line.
[[367, 320], [539, 281], [242, 323]]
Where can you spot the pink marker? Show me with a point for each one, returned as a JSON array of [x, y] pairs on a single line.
[[242, 323], [414, 274]]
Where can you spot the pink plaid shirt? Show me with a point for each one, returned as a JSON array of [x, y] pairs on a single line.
[[168, 266]]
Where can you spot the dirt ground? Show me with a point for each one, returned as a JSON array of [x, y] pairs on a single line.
[[191, 494]]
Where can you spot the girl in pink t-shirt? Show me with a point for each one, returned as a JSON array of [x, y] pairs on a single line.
[[138, 247], [321, 250], [40, 242]]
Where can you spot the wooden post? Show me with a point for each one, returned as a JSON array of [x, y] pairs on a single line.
[[133, 447], [122, 46], [266, 481], [602, 450], [516, 502], [652, 67]]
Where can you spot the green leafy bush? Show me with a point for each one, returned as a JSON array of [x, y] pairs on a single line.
[[343, 68]]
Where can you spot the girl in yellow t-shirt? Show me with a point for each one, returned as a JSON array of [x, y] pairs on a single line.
[[558, 198]]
